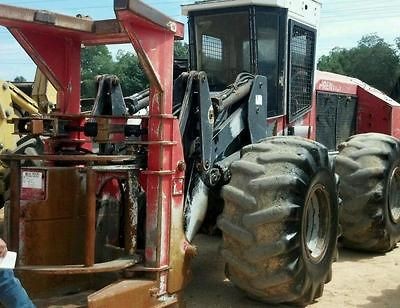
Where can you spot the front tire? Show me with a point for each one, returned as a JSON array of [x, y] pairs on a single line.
[[369, 169], [280, 220]]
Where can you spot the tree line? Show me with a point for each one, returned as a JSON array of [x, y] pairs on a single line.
[[372, 60], [98, 60]]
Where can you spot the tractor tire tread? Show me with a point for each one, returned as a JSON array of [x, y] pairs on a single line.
[[261, 215], [363, 164]]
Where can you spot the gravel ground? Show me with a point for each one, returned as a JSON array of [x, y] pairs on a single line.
[[359, 280]]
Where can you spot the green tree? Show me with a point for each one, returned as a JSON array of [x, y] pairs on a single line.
[[19, 79], [181, 50], [395, 93], [373, 61], [338, 61], [130, 73], [98, 60], [95, 60]]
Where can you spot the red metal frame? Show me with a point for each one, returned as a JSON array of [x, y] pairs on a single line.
[[55, 47], [62, 70], [153, 43]]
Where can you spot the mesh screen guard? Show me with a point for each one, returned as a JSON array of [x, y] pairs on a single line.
[[302, 57]]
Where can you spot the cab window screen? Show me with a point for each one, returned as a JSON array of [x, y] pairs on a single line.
[[212, 47], [301, 72]]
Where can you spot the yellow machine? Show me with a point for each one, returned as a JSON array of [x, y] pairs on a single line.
[[15, 103], [43, 92]]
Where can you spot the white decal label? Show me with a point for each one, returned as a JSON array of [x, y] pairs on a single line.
[[259, 100], [32, 179]]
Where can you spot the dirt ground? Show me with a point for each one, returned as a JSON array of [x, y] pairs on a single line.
[[359, 280]]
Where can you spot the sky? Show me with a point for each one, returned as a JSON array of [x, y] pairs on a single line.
[[343, 23]]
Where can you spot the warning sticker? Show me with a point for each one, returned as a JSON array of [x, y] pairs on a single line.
[[32, 179], [259, 100]]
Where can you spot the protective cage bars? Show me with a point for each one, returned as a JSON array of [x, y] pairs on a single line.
[[301, 68]]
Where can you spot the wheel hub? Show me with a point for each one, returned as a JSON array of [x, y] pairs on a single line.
[[316, 221], [394, 195]]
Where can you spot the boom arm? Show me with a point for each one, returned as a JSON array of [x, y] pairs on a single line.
[[215, 126]]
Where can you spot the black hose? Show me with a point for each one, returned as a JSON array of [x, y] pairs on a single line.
[[234, 92]]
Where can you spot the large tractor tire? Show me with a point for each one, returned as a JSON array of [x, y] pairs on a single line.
[[280, 220], [369, 170]]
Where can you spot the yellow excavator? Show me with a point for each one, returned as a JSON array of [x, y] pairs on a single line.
[[38, 98]]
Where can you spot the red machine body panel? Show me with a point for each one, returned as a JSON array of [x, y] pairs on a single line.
[[376, 112]]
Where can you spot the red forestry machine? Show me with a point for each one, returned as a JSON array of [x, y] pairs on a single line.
[[249, 135]]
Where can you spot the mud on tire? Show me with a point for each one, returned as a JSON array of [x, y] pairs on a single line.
[[280, 220], [369, 169]]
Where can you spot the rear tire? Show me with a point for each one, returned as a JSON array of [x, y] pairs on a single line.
[[280, 220], [369, 169]]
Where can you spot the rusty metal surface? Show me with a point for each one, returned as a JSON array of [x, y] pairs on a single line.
[[141, 268], [17, 14], [15, 206], [110, 26], [161, 142], [153, 42], [73, 158], [52, 230], [90, 231], [131, 213], [118, 171], [43, 286], [128, 293], [59, 230], [147, 12], [110, 216], [111, 266], [181, 252], [78, 300], [53, 234], [91, 116], [89, 31], [159, 172]]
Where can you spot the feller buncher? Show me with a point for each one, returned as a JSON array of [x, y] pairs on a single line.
[[112, 211]]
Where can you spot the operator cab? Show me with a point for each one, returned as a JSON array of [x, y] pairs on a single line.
[[272, 38]]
